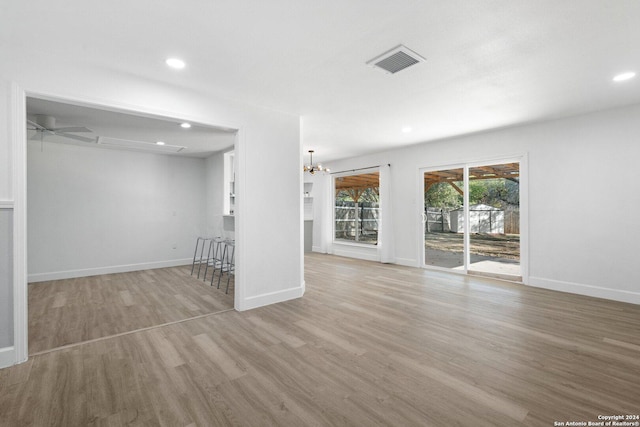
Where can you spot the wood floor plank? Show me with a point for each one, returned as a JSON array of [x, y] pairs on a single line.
[[64, 312], [368, 344], [228, 366]]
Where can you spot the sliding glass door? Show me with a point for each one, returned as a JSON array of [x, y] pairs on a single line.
[[471, 218], [494, 219], [443, 200]]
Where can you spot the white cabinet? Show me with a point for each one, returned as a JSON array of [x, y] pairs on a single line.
[[308, 217], [229, 183]]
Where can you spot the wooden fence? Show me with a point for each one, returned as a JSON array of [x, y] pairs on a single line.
[[512, 222]]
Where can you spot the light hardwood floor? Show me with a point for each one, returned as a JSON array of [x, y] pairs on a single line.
[[64, 312], [368, 344]]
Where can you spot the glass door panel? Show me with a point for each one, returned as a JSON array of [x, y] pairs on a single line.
[[494, 219], [443, 218]]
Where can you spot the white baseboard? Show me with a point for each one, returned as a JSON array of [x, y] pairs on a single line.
[[270, 298], [7, 357], [407, 262], [367, 254], [317, 249], [588, 290], [70, 274]]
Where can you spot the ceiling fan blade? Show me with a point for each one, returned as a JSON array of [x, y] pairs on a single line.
[[36, 136], [35, 125], [72, 129], [76, 137]]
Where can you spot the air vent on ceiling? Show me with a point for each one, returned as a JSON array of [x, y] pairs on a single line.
[[397, 59], [139, 145]]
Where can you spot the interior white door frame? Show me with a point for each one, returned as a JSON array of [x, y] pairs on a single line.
[[18, 116], [18, 134]]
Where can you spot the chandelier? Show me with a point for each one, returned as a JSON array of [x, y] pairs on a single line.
[[311, 168]]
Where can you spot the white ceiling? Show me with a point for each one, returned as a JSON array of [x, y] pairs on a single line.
[[199, 141], [489, 63]]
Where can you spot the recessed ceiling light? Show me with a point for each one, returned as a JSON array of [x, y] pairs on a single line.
[[160, 143], [176, 63], [185, 125], [407, 129], [624, 76]]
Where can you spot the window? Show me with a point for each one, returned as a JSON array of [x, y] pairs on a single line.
[[357, 208]]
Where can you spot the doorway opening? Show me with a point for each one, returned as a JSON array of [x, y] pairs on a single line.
[[115, 203]]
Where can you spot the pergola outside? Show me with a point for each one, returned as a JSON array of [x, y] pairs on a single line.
[[510, 171], [355, 185]]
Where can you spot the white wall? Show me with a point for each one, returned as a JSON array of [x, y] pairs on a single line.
[[97, 211], [268, 215], [266, 137], [6, 277], [6, 151], [583, 197]]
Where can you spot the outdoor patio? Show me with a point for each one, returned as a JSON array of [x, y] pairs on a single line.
[[490, 253]]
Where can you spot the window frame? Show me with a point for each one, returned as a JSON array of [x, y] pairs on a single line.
[[523, 160], [347, 242]]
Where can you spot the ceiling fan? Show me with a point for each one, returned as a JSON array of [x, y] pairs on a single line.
[[46, 125]]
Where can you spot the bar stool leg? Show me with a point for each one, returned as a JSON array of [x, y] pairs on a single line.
[[208, 258], [216, 261], [231, 267], [195, 253], [204, 242], [222, 263]]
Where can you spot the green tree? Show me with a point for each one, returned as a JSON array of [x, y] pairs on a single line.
[[500, 193], [477, 192], [443, 195]]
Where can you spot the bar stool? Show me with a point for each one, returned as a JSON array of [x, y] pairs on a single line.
[[214, 257], [228, 262], [201, 242]]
